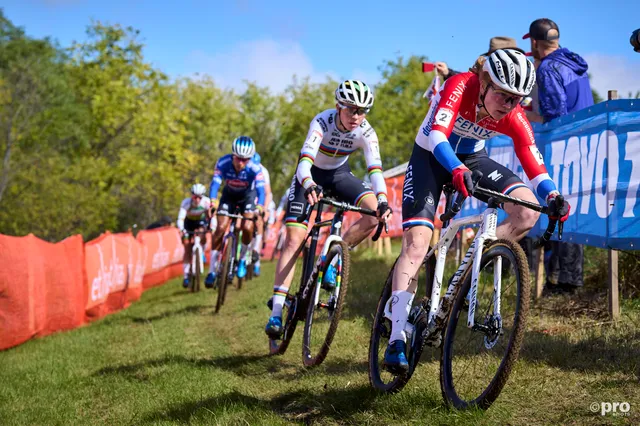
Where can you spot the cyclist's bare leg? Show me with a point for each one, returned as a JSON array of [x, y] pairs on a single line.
[[186, 258], [286, 266], [247, 228], [415, 244], [216, 242], [520, 219], [364, 226]]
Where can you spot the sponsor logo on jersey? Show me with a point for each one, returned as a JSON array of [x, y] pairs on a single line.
[[330, 118], [536, 154], [295, 207], [468, 128], [495, 175], [323, 124]]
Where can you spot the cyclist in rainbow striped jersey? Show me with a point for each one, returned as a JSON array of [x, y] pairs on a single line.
[[333, 135]]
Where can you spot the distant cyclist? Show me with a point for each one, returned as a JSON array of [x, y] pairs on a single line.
[[193, 216], [243, 184], [256, 244], [333, 135]]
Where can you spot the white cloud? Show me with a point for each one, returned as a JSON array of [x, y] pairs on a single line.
[[613, 73], [265, 62]]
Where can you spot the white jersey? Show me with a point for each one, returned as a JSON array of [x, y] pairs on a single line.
[[328, 148], [192, 211], [265, 173]]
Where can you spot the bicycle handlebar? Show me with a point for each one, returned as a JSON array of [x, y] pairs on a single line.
[[232, 216], [346, 207], [476, 176]]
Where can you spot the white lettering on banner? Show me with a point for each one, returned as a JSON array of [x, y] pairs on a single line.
[[571, 173], [633, 155], [602, 209], [557, 159], [110, 277], [178, 253], [587, 167], [161, 257]]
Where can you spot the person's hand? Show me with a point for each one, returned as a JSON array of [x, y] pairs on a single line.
[[442, 68], [558, 210], [462, 181], [313, 194], [384, 211]]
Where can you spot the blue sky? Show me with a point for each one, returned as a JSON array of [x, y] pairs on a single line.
[[269, 41]]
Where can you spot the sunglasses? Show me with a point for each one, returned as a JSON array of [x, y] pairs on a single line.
[[506, 97], [355, 111], [241, 160]]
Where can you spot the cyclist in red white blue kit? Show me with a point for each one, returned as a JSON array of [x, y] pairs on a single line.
[[471, 107]]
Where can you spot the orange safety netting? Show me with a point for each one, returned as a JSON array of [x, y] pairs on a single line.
[[46, 287]]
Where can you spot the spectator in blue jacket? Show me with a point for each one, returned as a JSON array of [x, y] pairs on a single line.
[[563, 88], [562, 75]]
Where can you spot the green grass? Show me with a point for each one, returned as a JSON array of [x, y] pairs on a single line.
[[168, 359]]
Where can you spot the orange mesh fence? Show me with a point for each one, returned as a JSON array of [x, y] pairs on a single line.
[[46, 287], [164, 255], [114, 265], [41, 287]]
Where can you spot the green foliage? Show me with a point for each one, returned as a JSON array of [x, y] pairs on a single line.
[[96, 121]]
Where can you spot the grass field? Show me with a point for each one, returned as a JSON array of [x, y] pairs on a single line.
[[168, 359]]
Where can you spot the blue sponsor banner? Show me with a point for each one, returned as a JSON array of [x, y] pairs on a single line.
[[593, 156]]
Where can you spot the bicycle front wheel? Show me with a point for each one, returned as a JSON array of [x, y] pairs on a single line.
[[325, 306], [476, 362]]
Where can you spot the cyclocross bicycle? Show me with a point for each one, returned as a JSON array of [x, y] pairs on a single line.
[[477, 354], [229, 257], [315, 302], [196, 267]]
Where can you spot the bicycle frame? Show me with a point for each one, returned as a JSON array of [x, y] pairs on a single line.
[[196, 254], [310, 267], [439, 309]]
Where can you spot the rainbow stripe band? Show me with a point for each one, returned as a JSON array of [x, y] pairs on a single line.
[[280, 291], [513, 186], [362, 196], [417, 221], [333, 152], [304, 181], [292, 221], [382, 194], [374, 169], [306, 157]]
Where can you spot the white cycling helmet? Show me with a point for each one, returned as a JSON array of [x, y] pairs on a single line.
[[243, 147], [198, 189], [511, 71], [354, 92]]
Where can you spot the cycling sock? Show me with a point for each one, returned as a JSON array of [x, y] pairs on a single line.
[[279, 295], [185, 267], [258, 243], [400, 307], [243, 251], [213, 264]]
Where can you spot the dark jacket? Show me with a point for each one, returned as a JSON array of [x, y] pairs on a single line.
[[563, 84]]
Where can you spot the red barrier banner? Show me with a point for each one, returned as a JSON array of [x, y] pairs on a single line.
[[114, 265], [164, 253], [41, 287]]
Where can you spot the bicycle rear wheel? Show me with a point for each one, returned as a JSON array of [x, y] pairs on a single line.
[[475, 363], [290, 313], [222, 279], [325, 306]]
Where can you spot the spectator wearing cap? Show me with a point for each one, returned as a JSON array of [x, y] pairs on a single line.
[[563, 88], [563, 83], [494, 44]]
